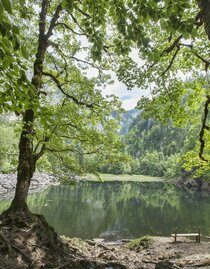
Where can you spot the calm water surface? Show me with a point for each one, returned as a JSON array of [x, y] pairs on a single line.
[[115, 210]]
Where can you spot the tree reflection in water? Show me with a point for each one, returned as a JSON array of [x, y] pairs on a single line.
[[115, 210]]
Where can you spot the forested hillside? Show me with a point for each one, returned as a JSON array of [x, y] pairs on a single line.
[[154, 149]]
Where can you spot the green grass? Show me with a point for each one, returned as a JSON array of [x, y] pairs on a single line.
[[140, 243], [111, 177]]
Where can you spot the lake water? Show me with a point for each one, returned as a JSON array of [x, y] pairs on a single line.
[[116, 210]]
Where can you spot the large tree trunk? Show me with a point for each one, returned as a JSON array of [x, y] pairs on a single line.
[[26, 165], [27, 158], [204, 15]]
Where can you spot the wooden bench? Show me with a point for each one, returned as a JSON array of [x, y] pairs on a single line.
[[196, 235]]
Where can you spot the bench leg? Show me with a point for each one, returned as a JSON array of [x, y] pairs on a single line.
[[198, 239]]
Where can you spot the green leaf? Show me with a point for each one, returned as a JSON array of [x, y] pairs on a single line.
[[24, 52], [5, 64], [1, 10], [7, 6]]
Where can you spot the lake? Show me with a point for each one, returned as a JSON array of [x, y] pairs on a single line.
[[116, 210]]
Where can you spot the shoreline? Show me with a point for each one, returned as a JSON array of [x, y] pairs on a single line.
[[157, 253], [39, 182], [42, 180]]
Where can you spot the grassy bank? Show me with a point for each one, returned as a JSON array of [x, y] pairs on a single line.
[[111, 177]]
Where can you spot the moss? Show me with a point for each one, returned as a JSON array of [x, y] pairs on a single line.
[[66, 180], [140, 243]]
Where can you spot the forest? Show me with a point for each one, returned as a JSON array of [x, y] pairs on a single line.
[[150, 147], [57, 58]]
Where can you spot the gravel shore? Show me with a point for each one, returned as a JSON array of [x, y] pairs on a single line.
[[39, 182]]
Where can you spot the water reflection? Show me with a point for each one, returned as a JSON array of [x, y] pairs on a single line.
[[115, 210]]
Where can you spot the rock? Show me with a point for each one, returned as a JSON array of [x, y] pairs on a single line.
[[166, 265], [39, 182]]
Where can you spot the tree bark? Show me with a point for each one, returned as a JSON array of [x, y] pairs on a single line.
[[204, 15], [26, 162]]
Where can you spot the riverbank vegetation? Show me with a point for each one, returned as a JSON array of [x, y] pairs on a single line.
[[123, 177]]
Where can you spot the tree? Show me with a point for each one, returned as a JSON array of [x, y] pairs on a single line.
[[64, 39], [45, 81], [174, 47], [62, 109]]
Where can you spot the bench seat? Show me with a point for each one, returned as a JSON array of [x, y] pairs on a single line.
[[185, 235], [196, 235]]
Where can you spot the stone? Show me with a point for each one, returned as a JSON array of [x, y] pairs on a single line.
[[39, 182]]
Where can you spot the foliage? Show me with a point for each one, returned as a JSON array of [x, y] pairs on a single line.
[[45, 80], [140, 243], [154, 149], [174, 45], [8, 146]]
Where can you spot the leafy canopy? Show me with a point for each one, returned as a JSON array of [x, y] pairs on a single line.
[[81, 36]]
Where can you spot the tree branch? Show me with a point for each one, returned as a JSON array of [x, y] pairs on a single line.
[[38, 155], [64, 150], [203, 128], [206, 62], [173, 45], [76, 22], [53, 21], [56, 46], [59, 85], [69, 28], [83, 13], [86, 62], [42, 18], [172, 60]]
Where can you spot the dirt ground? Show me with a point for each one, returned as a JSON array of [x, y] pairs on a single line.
[[162, 253], [29, 242]]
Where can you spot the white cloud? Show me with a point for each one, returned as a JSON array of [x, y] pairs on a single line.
[[120, 90]]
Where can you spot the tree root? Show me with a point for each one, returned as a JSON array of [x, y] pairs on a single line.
[[28, 240]]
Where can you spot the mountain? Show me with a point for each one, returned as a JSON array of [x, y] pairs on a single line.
[[127, 120]]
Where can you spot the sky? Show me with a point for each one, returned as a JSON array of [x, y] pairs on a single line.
[[129, 98]]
